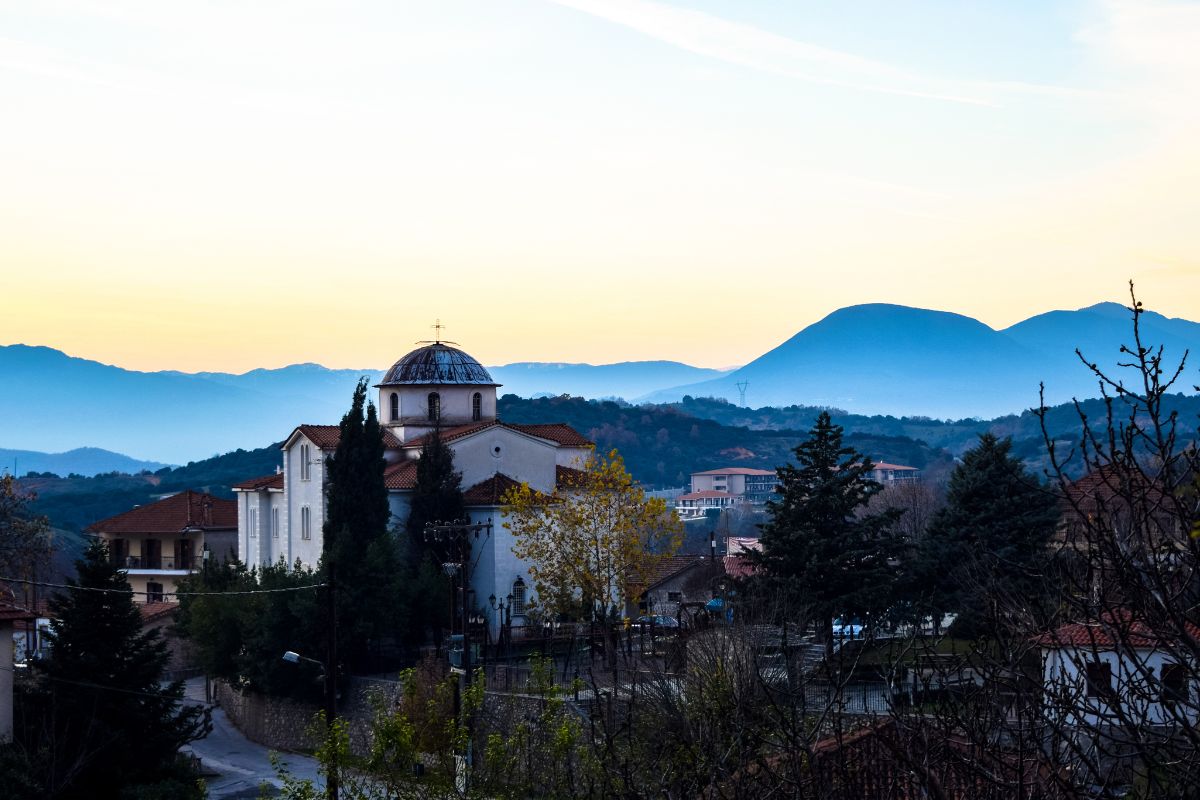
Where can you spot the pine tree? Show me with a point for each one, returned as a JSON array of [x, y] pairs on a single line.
[[101, 718], [990, 539], [818, 545]]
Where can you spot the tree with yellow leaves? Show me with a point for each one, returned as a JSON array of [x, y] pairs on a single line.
[[592, 541]]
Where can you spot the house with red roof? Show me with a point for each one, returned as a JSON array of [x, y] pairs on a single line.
[[156, 545], [1117, 667], [435, 387]]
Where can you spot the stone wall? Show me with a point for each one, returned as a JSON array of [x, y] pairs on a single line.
[[283, 724]]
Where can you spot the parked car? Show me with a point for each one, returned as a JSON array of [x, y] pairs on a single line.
[[847, 629], [657, 621]]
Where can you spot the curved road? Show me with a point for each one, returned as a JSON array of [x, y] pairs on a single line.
[[241, 766]]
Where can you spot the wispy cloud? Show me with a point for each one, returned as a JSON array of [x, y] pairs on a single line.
[[748, 46]]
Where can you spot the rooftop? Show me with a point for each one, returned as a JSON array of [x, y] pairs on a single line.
[[188, 510], [437, 364]]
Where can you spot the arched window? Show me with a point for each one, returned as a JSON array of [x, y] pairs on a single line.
[[395, 406], [517, 603], [476, 407], [435, 407]]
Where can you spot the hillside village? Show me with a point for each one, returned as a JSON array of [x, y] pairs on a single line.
[[881, 636]]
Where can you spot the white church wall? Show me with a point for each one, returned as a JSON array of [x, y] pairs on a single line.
[[456, 403], [399, 505], [496, 568], [502, 450], [574, 457]]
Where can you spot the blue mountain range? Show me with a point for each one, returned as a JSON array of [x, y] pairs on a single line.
[[872, 359]]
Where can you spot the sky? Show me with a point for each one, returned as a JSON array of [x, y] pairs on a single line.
[[231, 185]]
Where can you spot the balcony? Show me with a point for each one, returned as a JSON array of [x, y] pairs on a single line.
[[152, 564]]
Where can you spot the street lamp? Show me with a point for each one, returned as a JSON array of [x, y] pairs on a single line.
[[327, 674]]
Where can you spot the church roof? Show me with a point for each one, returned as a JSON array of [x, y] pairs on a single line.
[[326, 437], [489, 492], [187, 510], [437, 364], [559, 433], [400, 476]]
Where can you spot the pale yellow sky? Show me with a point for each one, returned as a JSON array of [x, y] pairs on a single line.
[[197, 187]]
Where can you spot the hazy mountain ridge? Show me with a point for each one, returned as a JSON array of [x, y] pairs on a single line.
[[874, 359], [86, 461], [902, 361]]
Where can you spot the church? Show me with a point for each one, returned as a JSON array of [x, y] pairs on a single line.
[[435, 387]]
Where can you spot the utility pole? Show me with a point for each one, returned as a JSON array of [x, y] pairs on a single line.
[[331, 780], [458, 537]]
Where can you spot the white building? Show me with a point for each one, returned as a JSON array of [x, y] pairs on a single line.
[[1102, 676], [280, 517], [725, 488]]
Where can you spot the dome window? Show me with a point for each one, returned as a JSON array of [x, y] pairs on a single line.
[[476, 407], [395, 402], [435, 406]]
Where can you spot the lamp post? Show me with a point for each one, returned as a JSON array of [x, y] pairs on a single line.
[[457, 538], [329, 676], [505, 619]]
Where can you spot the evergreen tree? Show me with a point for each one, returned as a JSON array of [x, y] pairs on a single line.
[[437, 495], [100, 722], [819, 546], [359, 552], [990, 538]]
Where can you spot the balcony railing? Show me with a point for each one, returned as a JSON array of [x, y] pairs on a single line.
[[157, 562]]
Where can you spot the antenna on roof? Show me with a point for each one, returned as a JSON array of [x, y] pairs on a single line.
[[741, 386]]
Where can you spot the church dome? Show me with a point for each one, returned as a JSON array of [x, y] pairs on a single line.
[[437, 364]]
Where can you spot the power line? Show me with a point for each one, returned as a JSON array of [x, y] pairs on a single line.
[[163, 593], [89, 684]]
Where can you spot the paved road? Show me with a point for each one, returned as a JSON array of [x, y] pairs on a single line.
[[241, 765]]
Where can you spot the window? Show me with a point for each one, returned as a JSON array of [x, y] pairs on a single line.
[[304, 465], [395, 406], [305, 522], [1099, 679], [435, 406], [674, 597], [274, 523], [154, 592], [252, 523], [476, 407], [1174, 683], [518, 596]]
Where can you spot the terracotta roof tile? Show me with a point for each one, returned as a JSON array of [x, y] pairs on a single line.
[[186, 510], [489, 492], [567, 477], [556, 432], [1113, 630], [450, 434], [739, 566], [559, 433], [670, 566], [400, 476], [256, 484], [326, 437], [153, 611], [737, 471], [10, 611]]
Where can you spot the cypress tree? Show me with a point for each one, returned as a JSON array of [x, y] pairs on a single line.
[[818, 546], [358, 549], [437, 495]]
